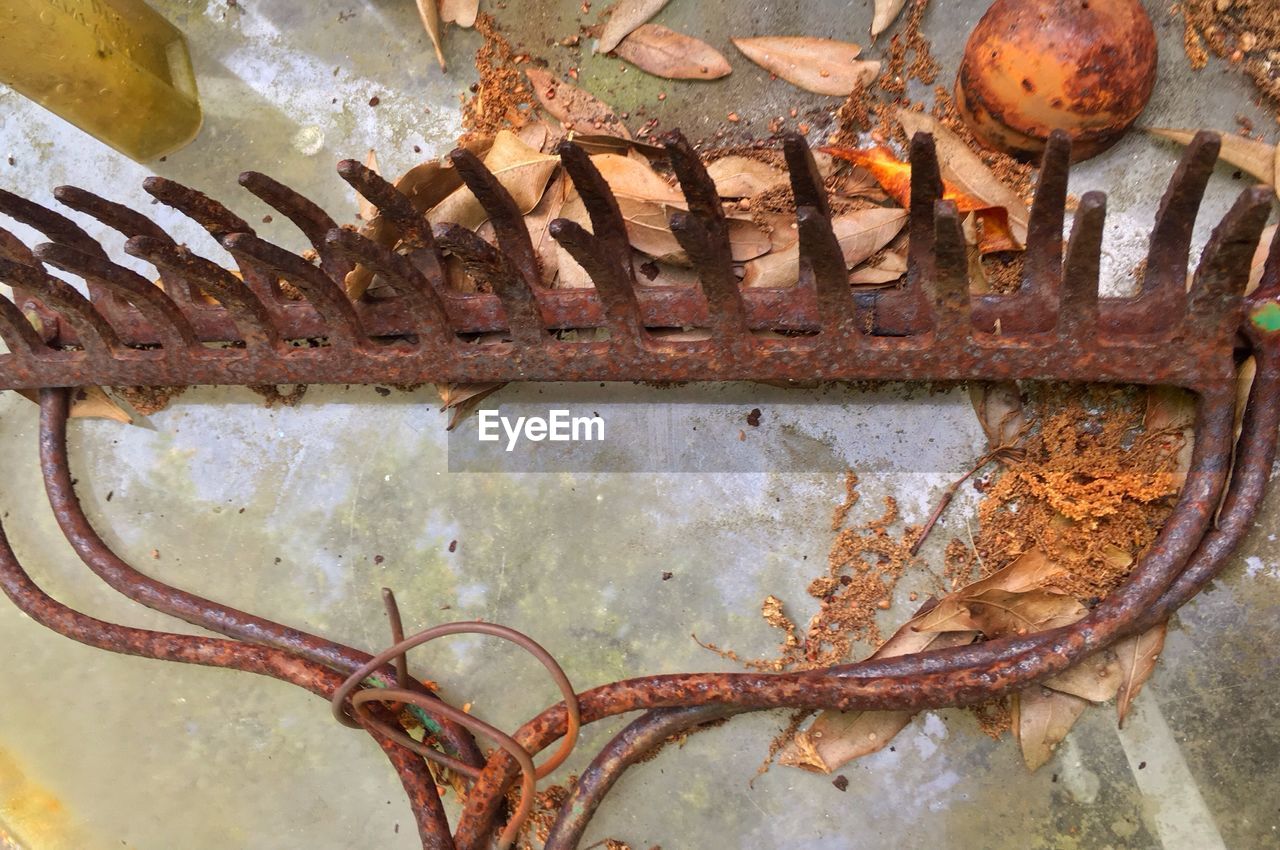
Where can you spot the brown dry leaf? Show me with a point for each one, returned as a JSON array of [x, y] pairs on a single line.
[[624, 17], [522, 170], [1260, 159], [982, 602], [861, 233], [1260, 258], [539, 224], [596, 143], [962, 168], [1041, 720], [1096, 679], [663, 52], [999, 612], [1137, 656], [819, 65], [367, 210], [1244, 383], [743, 177], [93, 403], [573, 107], [885, 14], [429, 12], [1000, 411], [460, 12], [1173, 411], [888, 269], [629, 178]]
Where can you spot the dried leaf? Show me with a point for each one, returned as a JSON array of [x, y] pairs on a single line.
[[624, 17], [743, 177], [981, 605], [861, 233], [963, 168], [1042, 718], [595, 143], [367, 210], [1260, 258], [1096, 679], [1172, 411], [429, 12], [522, 170], [93, 403], [1000, 411], [998, 612], [539, 224], [460, 12], [574, 107], [886, 13], [819, 65], [1260, 159], [663, 52], [888, 269], [1137, 656], [629, 178]]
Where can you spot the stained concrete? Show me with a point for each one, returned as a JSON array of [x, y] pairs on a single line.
[[303, 514]]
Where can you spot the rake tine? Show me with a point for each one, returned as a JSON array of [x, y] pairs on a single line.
[[1170, 247], [55, 227], [508, 221], [1218, 286], [306, 215], [17, 333], [607, 223], [806, 180], [405, 278], [1043, 264], [197, 206], [1078, 299], [614, 285], [123, 220], [491, 266], [926, 189], [246, 309], [952, 324], [97, 337], [327, 297], [171, 325], [698, 187], [15, 250], [821, 258], [396, 208]]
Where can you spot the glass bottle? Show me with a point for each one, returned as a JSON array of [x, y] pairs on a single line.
[[114, 68]]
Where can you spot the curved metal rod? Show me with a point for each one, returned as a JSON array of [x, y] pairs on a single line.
[[433, 824], [223, 619]]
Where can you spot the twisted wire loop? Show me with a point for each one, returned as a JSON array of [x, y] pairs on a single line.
[[360, 699]]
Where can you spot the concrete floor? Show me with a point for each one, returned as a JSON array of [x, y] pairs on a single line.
[[283, 513]]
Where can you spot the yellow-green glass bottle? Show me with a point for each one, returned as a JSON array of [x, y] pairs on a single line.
[[114, 68]]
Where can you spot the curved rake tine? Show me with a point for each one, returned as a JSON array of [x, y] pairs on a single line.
[[15, 250], [607, 224], [952, 325], [1170, 247], [342, 324], [698, 187], [1218, 286], [1078, 299], [1042, 266], [821, 257], [806, 180], [97, 337], [614, 286], [197, 206], [56, 227], [18, 334], [489, 265], [171, 326], [305, 214], [508, 221], [396, 209], [247, 310], [405, 278]]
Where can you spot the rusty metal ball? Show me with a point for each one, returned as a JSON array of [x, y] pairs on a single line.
[[1034, 66]]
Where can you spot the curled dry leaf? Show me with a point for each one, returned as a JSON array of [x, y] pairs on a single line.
[[819, 65], [574, 107], [1041, 720], [885, 13], [522, 170], [1170, 418], [460, 12], [624, 17], [539, 224], [1137, 657], [1016, 599], [963, 168], [1260, 159], [1096, 679], [1000, 411], [888, 269], [743, 177], [94, 403], [664, 52], [861, 233], [429, 12]]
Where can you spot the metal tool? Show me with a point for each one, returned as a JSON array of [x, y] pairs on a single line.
[[208, 325]]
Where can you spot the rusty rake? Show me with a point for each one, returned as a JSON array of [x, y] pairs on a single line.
[[207, 325]]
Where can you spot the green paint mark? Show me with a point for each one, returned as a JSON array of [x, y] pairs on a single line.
[[1267, 317]]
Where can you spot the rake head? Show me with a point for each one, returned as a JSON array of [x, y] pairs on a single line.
[[208, 325]]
